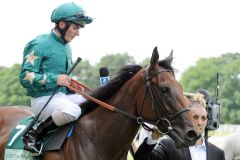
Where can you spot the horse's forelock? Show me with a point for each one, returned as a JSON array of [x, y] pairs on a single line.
[[167, 63]]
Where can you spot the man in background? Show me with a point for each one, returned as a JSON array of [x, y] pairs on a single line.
[[166, 149]]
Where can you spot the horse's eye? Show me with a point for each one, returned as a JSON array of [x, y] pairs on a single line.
[[164, 90]]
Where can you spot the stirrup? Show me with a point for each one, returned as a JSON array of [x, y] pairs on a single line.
[[28, 145], [40, 151], [33, 152]]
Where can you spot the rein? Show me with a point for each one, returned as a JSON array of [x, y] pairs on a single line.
[[77, 87], [103, 104]]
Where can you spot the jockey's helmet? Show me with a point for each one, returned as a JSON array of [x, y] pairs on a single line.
[[70, 12]]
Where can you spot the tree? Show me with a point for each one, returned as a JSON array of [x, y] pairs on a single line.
[[2, 68], [11, 91], [203, 75], [114, 61], [145, 62], [89, 75], [86, 73]]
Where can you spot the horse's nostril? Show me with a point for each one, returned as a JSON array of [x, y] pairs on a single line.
[[191, 135]]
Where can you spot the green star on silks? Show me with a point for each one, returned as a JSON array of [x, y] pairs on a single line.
[[29, 76], [31, 58]]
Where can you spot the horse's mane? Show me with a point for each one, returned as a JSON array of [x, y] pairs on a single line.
[[102, 93], [123, 75]]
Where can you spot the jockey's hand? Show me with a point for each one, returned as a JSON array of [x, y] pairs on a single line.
[[63, 80], [153, 138], [155, 134], [76, 85]]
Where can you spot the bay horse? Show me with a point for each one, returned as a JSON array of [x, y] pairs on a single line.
[[143, 94]]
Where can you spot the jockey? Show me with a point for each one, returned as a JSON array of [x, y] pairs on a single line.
[[46, 62]]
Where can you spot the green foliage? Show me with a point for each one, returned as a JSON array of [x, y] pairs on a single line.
[[89, 75], [203, 75], [145, 62], [2, 68], [11, 92], [86, 73], [114, 61]]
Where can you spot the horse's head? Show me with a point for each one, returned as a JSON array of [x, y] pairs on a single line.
[[164, 103]]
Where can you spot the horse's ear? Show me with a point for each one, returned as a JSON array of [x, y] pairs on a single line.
[[170, 57], [154, 58]]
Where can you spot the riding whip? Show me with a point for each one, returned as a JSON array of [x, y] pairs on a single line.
[[54, 92]]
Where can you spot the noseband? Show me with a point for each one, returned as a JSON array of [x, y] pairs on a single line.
[[156, 103]]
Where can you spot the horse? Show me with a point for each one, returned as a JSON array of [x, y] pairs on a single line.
[[140, 94]]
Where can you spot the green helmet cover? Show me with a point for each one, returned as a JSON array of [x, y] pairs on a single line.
[[70, 12]]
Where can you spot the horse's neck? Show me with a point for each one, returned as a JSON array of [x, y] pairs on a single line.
[[106, 132], [103, 133]]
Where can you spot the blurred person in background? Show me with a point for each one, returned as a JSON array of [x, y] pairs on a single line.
[[165, 149], [231, 146]]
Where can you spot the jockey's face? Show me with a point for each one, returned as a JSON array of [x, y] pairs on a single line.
[[72, 32]]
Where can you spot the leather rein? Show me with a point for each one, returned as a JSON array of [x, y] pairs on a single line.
[[75, 86]]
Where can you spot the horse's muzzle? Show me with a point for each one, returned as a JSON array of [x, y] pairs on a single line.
[[187, 139], [191, 137]]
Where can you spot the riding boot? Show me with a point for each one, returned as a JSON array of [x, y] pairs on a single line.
[[33, 140]]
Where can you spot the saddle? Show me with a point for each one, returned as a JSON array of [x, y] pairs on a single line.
[[14, 148]]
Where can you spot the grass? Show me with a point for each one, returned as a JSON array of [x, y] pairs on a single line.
[[129, 157]]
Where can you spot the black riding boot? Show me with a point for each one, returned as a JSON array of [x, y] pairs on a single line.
[[33, 140]]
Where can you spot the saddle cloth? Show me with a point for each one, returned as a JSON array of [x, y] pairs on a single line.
[[14, 148]]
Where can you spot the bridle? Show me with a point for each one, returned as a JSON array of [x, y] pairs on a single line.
[[156, 103]]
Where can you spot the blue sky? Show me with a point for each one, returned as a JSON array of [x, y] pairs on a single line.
[[192, 28]]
